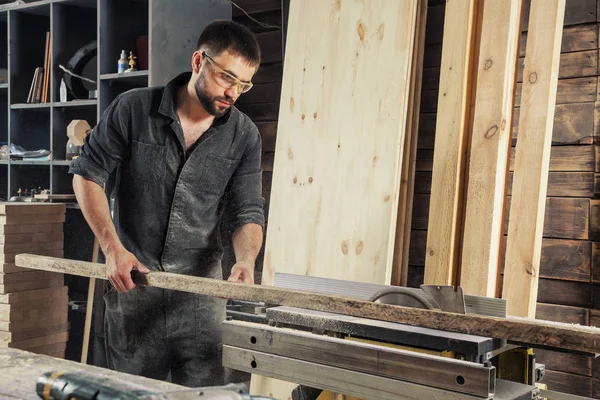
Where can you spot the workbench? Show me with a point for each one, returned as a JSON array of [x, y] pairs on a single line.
[[20, 369]]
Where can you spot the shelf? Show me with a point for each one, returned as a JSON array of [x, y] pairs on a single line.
[[24, 106], [139, 78], [3, 85], [75, 103], [27, 162], [61, 163], [4, 162]]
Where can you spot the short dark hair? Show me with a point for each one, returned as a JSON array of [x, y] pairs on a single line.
[[222, 35]]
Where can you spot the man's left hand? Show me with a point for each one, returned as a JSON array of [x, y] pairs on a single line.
[[242, 272]]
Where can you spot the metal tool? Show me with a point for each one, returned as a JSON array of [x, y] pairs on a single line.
[[57, 385], [327, 353]]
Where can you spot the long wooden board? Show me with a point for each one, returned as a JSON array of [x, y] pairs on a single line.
[[489, 146], [524, 330], [441, 260], [407, 183], [340, 140]]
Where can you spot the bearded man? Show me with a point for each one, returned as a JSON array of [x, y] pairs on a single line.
[[183, 155]]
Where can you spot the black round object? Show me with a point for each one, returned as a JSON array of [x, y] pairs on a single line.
[[76, 65]]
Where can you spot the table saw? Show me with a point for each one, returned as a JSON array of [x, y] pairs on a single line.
[[327, 354]]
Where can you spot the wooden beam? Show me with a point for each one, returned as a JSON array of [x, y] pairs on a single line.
[[489, 146], [523, 330], [460, 28], [407, 184]]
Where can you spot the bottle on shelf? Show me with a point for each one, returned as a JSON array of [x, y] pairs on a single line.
[[123, 62]]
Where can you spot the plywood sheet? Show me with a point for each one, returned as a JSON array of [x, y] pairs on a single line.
[[340, 139]]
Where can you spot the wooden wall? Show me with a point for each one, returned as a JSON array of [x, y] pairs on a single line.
[[569, 289]]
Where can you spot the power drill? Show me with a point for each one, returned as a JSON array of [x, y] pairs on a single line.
[[57, 385]]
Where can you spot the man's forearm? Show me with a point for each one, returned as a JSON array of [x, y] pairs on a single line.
[[94, 206], [247, 241]]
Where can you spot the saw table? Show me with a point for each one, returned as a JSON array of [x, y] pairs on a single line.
[[327, 353]]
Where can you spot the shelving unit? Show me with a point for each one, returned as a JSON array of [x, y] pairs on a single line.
[[167, 29]]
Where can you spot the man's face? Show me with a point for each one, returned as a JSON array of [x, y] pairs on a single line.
[[215, 87]]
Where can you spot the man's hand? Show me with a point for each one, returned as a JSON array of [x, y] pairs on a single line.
[[242, 272], [119, 264]]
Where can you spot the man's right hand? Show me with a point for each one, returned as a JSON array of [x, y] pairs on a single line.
[[119, 264]]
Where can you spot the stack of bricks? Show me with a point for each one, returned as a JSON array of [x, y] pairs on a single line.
[[33, 303]]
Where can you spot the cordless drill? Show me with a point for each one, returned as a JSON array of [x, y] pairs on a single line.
[[84, 386]]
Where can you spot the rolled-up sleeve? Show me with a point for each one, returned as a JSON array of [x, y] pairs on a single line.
[[106, 145], [245, 200]]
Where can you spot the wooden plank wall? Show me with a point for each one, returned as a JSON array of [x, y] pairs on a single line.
[[569, 287]]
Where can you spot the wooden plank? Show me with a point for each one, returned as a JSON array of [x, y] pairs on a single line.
[[564, 218], [568, 383], [575, 38], [339, 148], [40, 219], [449, 161], [267, 161], [564, 362], [595, 262], [572, 65], [576, 12], [572, 90], [30, 228], [261, 93], [261, 112], [568, 158], [8, 208], [30, 247], [6, 336], [561, 258], [566, 293], [525, 330], [573, 124], [340, 144], [268, 134], [40, 295], [566, 184], [31, 238], [271, 46], [489, 145], [56, 281], [399, 274], [269, 73], [560, 313], [532, 158], [595, 219], [566, 259]]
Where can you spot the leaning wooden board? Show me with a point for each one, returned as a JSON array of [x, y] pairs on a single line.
[[340, 139], [524, 330], [340, 143]]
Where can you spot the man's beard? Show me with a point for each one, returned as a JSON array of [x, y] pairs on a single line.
[[210, 103]]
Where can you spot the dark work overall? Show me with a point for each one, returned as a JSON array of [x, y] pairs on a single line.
[[168, 206]]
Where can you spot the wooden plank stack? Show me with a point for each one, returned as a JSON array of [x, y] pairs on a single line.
[[33, 304]]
